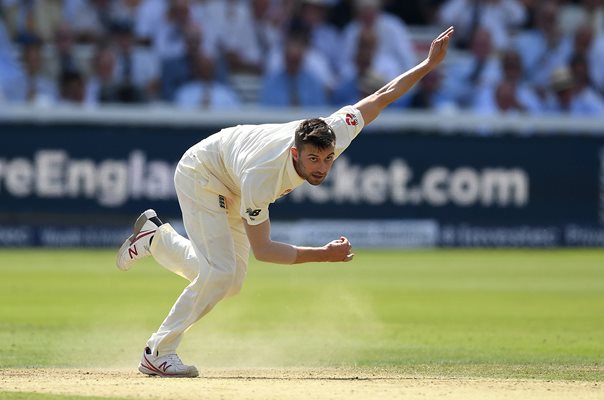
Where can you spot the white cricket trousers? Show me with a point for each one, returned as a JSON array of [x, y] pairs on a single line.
[[214, 258]]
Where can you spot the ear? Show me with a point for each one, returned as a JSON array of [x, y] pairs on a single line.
[[294, 153]]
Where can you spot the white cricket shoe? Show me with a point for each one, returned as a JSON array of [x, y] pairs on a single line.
[[167, 366], [138, 245]]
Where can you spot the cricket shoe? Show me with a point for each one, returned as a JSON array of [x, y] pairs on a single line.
[[167, 366], [138, 245]]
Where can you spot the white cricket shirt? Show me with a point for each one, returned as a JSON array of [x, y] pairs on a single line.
[[254, 162]]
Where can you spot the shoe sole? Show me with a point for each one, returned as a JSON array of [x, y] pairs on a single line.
[[138, 226], [147, 371]]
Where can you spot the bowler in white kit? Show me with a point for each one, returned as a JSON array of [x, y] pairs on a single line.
[[225, 184]]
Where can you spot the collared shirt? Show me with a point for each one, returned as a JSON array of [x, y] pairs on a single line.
[[254, 162]]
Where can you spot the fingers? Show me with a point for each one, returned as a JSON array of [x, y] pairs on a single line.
[[447, 32], [340, 249], [440, 44], [348, 246], [444, 37], [346, 242]]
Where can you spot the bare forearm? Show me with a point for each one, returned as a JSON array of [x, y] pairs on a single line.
[[310, 254], [276, 252], [282, 253], [372, 105], [400, 85]]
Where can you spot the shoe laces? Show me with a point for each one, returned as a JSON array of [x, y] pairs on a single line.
[[174, 358]]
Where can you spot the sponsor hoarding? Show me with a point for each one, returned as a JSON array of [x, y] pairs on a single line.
[[476, 191]]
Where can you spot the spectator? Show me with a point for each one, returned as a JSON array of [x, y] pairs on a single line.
[[324, 38], [312, 61], [341, 13], [591, 48], [136, 68], [100, 85], [179, 17], [63, 59], [585, 95], [72, 88], [498, 17], [467, 74], [511, 92], [33, 17], [36, 87], [502, 99], [366, 75], [595, 59], [178, 70], [505, 102], [169, 40], [233, 22], [383, 64], [430, 94], [506, 99], [583, 40], [89, 19], [293, 85], [393, 40], [582, 13], [205, 91], [126, 10], [566, 96], [148, 16], [11, 74], [268, 27], [544, 48], [213, 18]]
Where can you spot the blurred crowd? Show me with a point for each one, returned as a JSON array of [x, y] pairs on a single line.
[[508, 56]]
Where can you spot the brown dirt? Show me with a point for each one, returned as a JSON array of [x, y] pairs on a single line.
[[303, 383]]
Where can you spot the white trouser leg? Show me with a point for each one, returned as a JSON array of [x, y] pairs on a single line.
[[214, 253], [242, 248], [175, 253]]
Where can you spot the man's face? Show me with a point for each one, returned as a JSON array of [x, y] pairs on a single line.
[[313, 164]]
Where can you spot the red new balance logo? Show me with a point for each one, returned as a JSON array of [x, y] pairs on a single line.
[[164, 366], [132, 251]]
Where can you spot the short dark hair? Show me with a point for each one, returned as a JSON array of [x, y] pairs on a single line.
[[315, 132]]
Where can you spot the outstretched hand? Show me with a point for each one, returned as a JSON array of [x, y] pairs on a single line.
[[439, 46], [339, 250]]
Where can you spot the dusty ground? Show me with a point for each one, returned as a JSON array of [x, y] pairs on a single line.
[[314, 384]]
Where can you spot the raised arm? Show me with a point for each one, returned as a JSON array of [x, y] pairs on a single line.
[[281, 253], [372, 105]]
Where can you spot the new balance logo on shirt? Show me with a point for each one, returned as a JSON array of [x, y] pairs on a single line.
[[253, 213]]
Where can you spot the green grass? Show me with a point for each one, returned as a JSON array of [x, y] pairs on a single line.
[[477, 313]]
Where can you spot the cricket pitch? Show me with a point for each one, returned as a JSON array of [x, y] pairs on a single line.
[[292, 383]]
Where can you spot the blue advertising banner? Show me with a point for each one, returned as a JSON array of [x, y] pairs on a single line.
[[547, 189]]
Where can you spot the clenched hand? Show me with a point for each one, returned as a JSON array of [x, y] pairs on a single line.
[[339, 250]]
